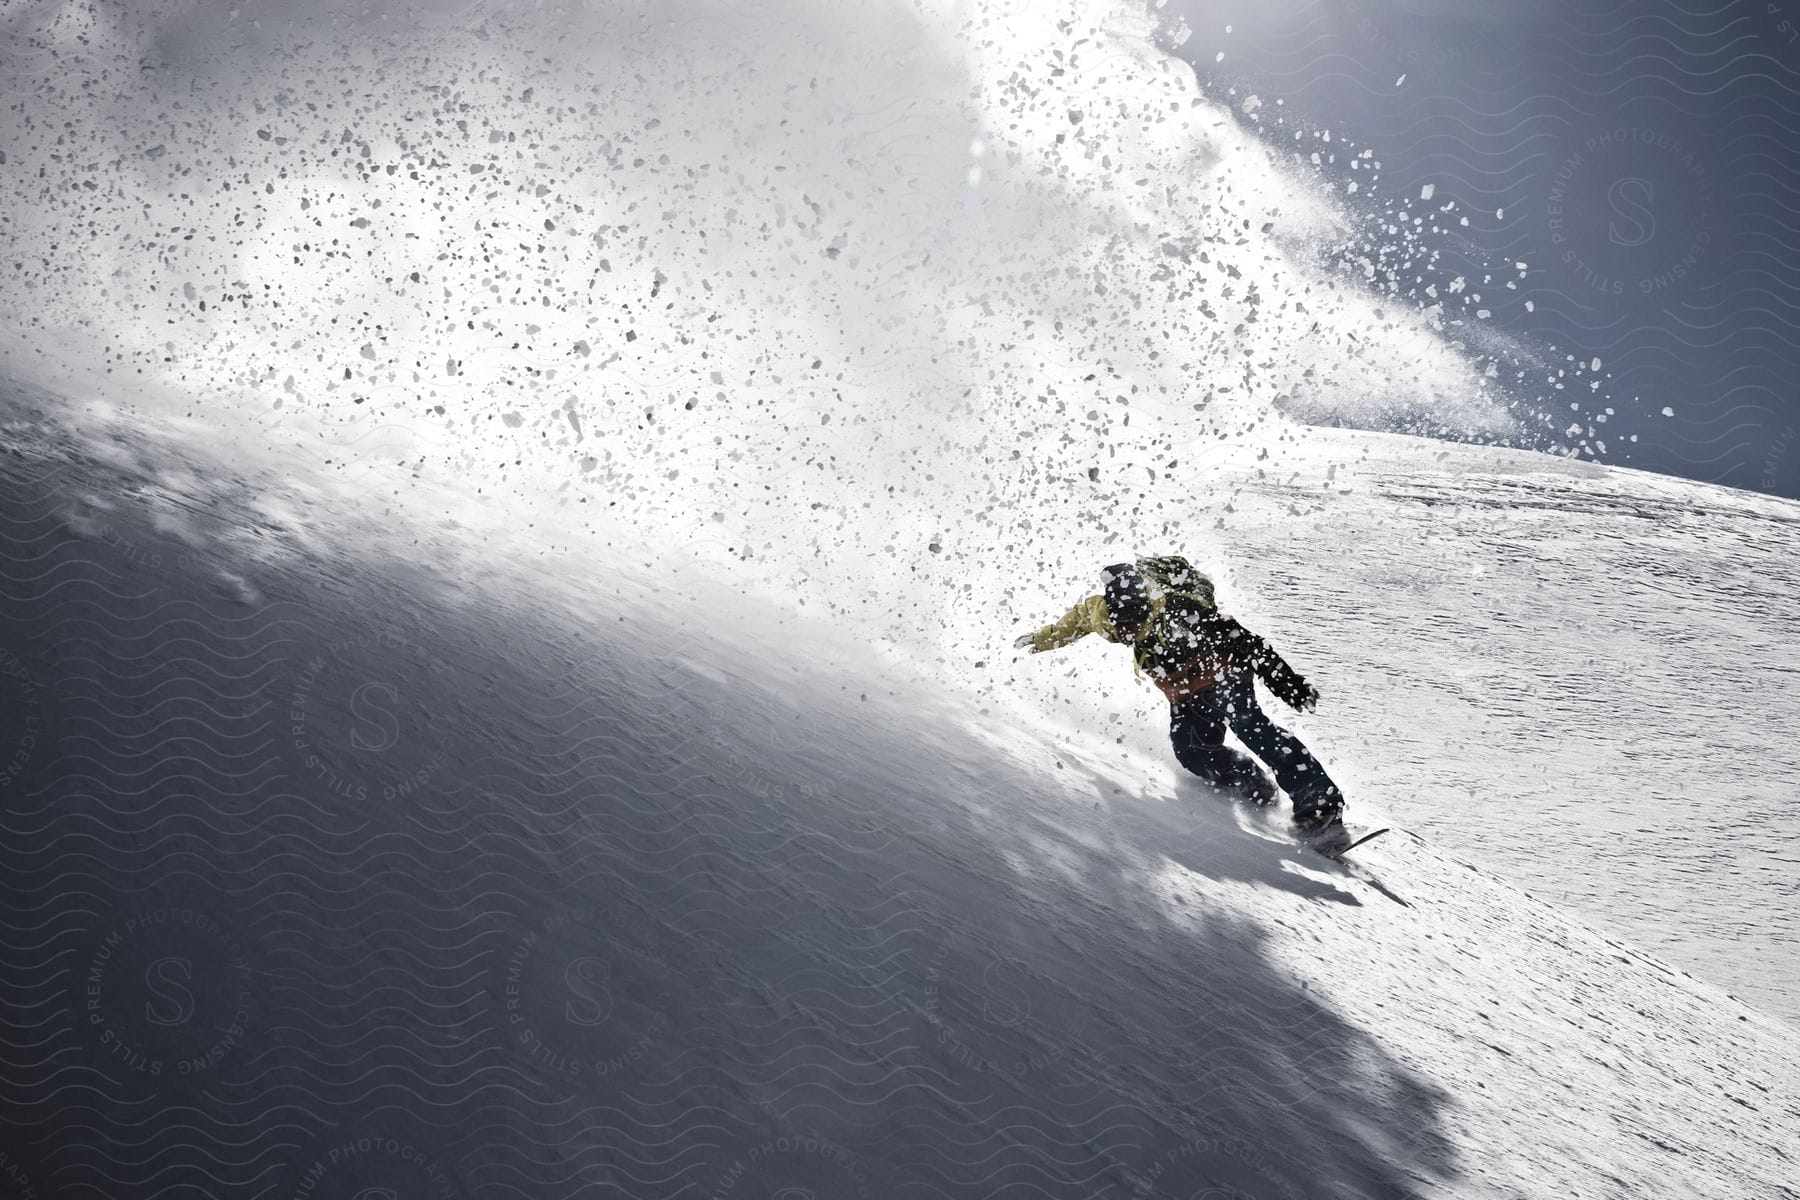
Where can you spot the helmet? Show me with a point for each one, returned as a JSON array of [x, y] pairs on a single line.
[[1127, 595]]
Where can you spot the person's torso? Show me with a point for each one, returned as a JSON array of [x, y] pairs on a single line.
[[1185, 651]]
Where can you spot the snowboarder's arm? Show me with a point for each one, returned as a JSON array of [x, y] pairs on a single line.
[[1288, 685], [1087, 617]]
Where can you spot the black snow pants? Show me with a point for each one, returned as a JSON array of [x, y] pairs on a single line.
[[1197, 726]]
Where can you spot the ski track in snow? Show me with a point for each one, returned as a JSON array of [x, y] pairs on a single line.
[[553, 885]]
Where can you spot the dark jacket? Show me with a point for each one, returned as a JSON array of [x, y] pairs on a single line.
[[1185, 648]]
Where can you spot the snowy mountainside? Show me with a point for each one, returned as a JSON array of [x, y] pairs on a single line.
[[320, 878], [1581, 675]]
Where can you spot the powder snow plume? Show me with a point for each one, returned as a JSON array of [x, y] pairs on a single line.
[[873, 306]]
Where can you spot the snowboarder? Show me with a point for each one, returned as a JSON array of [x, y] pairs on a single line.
[[1206, 664]]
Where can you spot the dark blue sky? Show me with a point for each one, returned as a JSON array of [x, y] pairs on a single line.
[[1642, 159]]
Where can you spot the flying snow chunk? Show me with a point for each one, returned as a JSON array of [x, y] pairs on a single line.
[[1668, 412], [1425, 193]]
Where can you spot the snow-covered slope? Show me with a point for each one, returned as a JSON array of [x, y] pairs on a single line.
[[1585, 677], [1581, 676], [504, 608], [326, 871], [911, 316]]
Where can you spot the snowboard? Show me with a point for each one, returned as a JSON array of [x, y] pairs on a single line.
[[1337, 855]]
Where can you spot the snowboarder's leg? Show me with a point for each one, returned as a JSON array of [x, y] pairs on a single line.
[[1197, 731], [1316, 798]]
